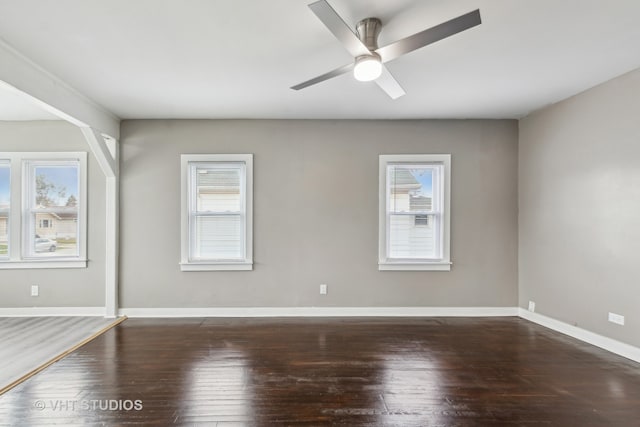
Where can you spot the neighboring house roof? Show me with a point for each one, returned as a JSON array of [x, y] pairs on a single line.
[[402, 181], [219, 181], [63, 213], [401, 176], [68, 216]]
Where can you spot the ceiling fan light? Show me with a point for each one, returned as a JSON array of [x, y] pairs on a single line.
[[367, 68]]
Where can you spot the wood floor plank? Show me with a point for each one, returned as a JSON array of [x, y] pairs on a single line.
[[29, 342], [353, 372]]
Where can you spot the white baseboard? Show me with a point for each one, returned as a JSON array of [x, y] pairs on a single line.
[[51, 311], [614, 346], [319, 312]]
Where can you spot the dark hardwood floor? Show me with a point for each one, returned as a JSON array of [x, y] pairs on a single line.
[[392, 371]]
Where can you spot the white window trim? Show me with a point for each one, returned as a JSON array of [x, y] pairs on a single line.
[[19, 204], [187, 264], [385, 264]]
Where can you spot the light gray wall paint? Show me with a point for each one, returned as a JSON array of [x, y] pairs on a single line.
[[579, 201], [316, 213], [59, 287]]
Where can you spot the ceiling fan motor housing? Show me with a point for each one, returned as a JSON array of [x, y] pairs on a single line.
[[368, 67], [368, 30]]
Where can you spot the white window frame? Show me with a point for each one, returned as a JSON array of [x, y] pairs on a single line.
[[20, 224], [190, 263], [442, 263], [7, 163]]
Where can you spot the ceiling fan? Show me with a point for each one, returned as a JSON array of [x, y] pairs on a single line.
[[369, 58]]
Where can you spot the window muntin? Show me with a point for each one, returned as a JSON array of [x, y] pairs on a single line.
[[414, 214], [217, 212]]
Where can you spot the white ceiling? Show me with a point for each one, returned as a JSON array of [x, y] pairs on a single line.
[[237, 59]]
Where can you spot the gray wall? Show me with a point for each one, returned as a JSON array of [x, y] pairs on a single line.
[[316, 213], [59, 287], [579, 204]]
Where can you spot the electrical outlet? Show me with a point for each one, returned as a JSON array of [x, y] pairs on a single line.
[[616, 318], [35, 290], [532, 306], [323, 289]]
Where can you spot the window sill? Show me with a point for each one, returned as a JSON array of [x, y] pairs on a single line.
[[415, 266], [208, 266], [16, 265]]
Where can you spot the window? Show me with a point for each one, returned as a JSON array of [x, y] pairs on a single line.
[[414, 212], [50, 229], [217, 212], [5, 203], [52, 194]]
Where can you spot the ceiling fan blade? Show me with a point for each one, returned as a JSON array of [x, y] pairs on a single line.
[[339, 28], [430, 35], [323, 77], [389, 84]]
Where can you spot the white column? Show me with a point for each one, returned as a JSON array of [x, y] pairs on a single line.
[[106, 151]]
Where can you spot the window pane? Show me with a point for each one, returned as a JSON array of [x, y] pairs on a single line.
[[55, 233], [55, 220], [219, 237], [410, 188], [5, 197], [218, 189], [412, 236], [56, 186]]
